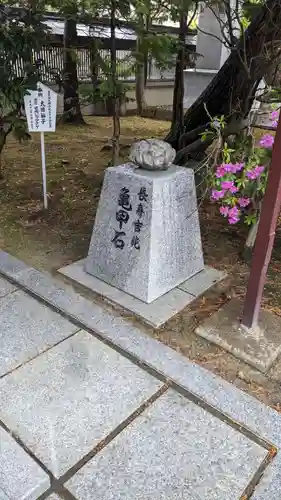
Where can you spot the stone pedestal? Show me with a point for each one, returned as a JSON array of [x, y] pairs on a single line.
[[146, 238], [259, 346]]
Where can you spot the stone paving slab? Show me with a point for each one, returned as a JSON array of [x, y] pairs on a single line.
[[11, 265], [71, 397], [20, 477], [3, 495], [27, 328], [5, 287], [269, 486], [156, 313], [202, 281], [175, 449]]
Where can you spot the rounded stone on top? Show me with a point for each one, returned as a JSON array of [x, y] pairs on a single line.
[[152, 154]]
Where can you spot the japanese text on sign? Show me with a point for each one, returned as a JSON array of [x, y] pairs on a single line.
[[123, 216], [40, 107]]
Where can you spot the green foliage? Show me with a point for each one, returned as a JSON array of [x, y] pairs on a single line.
[[250, 9], [162, 47], [217, 125], [178, 7], [104, 89], [86, 10], [21, 35]]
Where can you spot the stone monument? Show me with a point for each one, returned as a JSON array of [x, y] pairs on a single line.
[[146, 238]]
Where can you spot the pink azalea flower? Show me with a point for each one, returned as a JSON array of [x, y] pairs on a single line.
[[251, 175], [274, 115], [233, 215], [243, 202], [275, 123], [233, 220], [227, 185], [220, 172], [217, 195], [267, 141], [259, 169], [255, 172], [234, 212], [237, 167], [224, 211], [228, 167]]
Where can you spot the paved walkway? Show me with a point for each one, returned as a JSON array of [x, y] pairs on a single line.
[[93, 409]]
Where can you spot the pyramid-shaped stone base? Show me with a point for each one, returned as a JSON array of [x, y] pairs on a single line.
[[146, 238]]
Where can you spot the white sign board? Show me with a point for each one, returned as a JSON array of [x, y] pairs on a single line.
[[41, 109]]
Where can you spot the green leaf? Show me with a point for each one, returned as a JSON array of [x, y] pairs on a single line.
[[250, 219]]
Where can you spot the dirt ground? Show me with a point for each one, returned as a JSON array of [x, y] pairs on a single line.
[[76, 159]]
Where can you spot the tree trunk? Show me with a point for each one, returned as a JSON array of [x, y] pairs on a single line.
[[72, 111], [140, 88], [115, 107], [231, 92], [178, 117], [272, 76], [145, 51], [3, 137], [250, 242], [2, 144], [140, 67], [94, 53]]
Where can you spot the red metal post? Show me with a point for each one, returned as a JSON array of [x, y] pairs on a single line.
[[265, 237]]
